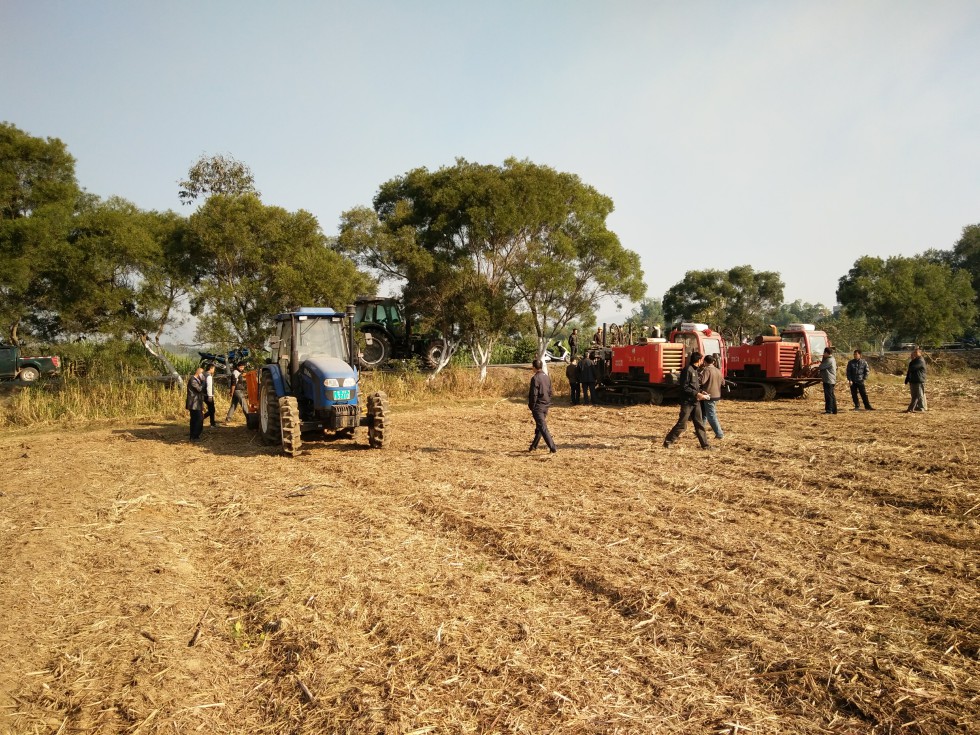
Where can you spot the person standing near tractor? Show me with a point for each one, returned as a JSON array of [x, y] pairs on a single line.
[[239, 391], [711, 383], [574, 388], [195, 403], [828, 375], [573, 344], [209, 391], [691, 397], [587, 377], [915, 379], [539, 401], [857, 372]]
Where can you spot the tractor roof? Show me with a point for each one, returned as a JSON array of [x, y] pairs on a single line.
[[310, 311]]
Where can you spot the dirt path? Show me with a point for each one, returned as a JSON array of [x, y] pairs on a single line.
[[817, 574]]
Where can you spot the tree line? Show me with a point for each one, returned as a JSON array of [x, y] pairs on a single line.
[[479, 252]]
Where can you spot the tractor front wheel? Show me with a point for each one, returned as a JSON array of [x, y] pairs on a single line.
[[289, 421], [377, 411], [377, 350], [269, 411], [433, 353]]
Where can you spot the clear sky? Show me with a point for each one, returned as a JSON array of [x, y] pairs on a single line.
[[790, 136]]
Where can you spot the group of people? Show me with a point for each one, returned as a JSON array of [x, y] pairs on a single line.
[[702, 383], [857, 372], [200, 397]]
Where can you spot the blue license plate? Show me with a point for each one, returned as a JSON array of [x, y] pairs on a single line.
[[341, 395]]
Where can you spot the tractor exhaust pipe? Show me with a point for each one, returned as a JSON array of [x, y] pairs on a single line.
[[351, 344]]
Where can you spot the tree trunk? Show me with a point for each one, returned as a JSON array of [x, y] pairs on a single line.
[[447, 354], [160, 355]]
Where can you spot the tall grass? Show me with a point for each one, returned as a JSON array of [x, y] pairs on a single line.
[[75, 400]]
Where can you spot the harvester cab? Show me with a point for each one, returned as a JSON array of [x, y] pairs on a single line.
[[310, 384], [698, 337], [812, 343]]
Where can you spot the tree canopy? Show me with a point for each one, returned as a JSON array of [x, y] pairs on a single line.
[[222, 175], [478, 246], [738, 301], [912, 298]]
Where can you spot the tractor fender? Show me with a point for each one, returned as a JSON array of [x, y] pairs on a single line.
[[274, 372]]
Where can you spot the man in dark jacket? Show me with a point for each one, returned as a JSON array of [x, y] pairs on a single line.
[[571, 372], [573, 343], [915, 378], [857, 373], [195, 402], [691, 397], [539, 400], [587, 377]]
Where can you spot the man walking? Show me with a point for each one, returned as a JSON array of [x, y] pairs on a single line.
[[195, 403], [539, 401], [209, 392], [239, 391], [828, 374], [711, 383], [587, 377], [691, 397], [571, 372], [915, 379], [857, 372]]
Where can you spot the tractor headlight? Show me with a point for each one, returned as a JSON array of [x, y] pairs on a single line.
[[332, 383], [349, 382]]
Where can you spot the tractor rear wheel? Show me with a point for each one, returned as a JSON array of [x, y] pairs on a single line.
[[292, 439], [433, 353], [269, 411], [377, 411], [768, 392], [377, 350], [656, 398]]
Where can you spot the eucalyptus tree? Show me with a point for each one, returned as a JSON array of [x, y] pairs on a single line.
[[252, 261], [735, 302], [915, 298]]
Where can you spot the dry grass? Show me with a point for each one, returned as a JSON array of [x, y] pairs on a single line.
[[817, 574]]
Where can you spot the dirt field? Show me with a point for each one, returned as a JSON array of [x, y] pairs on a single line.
[[817, 574]]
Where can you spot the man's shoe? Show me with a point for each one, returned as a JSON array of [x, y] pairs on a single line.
[[553, 451], [531, 448], [666, 445], [855, 409], [868, 408], [708, 448]]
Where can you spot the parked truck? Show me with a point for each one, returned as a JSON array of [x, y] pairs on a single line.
[[309, 388], [15, 366]]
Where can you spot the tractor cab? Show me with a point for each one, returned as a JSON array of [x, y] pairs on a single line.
[[698, 337], [812, 342], [312, 334]]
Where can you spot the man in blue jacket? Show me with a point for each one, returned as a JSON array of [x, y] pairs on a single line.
[[857, 373]]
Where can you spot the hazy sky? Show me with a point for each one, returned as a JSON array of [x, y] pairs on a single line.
[[790, 136]]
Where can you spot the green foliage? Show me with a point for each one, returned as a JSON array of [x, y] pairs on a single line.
[[221, 175], [799, 312], [966, 257], [848, 333], [914, 298], [38, 196], [736, 301], [525, 350], [252, 262]]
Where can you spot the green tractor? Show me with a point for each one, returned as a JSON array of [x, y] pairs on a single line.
[[388, 335]]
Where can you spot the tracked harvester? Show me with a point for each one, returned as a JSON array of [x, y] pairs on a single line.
[[650, 370], [309, 387]]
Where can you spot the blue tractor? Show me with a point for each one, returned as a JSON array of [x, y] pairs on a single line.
[[309, 385]]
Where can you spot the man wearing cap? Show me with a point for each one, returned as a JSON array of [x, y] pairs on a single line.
[[239, 392]]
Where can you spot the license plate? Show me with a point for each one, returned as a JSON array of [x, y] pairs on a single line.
[[341, 395]]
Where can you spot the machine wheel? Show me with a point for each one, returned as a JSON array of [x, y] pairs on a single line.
[[656, 398], [29, 374], [377, 351], [252, 421], [377, 411], [269, 411], [289, 421], [433, 353], [768, 392]]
